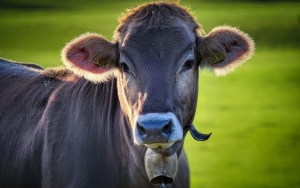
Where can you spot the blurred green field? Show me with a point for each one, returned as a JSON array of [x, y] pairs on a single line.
[[254, 112]]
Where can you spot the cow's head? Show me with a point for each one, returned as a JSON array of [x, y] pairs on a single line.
[[156, 55]]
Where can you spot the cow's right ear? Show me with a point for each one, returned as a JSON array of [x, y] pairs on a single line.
[[92, 57]]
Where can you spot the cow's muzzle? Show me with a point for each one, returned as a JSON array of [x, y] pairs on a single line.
[[156, 130]]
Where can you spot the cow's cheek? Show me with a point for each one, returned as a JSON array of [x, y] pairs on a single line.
[[186, 95], [127, 93]]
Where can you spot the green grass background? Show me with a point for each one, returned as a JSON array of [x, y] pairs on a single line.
[[254, 112]]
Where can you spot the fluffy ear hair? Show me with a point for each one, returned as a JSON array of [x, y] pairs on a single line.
[[91, 56], [224, 48]]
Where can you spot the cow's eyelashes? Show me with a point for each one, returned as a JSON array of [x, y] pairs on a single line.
[[124, 67], [188, 64]]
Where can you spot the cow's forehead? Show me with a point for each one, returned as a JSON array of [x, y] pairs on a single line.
[[157, 43]]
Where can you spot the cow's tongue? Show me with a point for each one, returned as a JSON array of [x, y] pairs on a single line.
[[160, 169]]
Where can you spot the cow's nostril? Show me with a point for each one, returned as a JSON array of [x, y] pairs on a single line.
[[141, 129], [167, 128]]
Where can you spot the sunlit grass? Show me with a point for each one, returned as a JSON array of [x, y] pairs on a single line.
[[254, 115]]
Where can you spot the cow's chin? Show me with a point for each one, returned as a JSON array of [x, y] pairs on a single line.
[[159, 145], [165, 149]]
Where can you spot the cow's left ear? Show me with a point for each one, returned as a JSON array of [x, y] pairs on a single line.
[[92, 57], [224, 48]]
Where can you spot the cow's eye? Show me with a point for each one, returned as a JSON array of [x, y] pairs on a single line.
[[188, 64], [124, 67]]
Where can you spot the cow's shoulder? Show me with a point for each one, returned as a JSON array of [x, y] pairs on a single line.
[[28, 84], [10, 68]]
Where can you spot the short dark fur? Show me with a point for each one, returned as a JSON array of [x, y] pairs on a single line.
[[24, 95], [54, 123]]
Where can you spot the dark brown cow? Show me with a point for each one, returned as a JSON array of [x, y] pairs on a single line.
[[118, 115]]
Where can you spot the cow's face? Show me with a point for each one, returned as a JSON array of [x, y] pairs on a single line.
[[157, 83], [157, 72]]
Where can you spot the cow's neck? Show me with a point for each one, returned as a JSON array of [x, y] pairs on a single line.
[[129, 157]]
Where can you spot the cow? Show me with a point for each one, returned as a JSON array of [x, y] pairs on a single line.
[[117, 114]]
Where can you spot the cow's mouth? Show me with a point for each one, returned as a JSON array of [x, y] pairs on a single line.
[[164, 150], [169, 148]]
